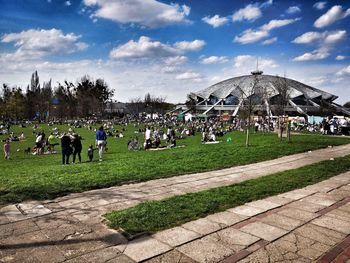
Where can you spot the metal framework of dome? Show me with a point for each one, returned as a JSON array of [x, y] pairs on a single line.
[[228, 95]]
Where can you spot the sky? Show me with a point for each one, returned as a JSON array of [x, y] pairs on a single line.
[[172, 48]]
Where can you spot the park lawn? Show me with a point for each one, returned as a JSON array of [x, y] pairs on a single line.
[[153, 216], [43, 177]]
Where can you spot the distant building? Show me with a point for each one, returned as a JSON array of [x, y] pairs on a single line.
[[116, 108], [227, 97]]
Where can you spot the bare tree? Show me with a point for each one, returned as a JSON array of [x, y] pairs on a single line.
[[251, 99], [280, 103], [135, 106]]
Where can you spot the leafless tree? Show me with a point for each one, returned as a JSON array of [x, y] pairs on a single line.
[[251, 101], [280, 103]]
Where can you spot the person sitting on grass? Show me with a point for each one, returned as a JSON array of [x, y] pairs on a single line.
[[52, 142], [22, 137]]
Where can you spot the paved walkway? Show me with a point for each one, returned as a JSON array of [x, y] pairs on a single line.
[[69, 228]]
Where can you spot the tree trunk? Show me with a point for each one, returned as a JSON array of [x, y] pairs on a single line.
[[247, 138], [288, 132]]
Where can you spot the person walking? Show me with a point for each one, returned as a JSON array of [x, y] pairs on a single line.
[[101, 138], [77, 147], [148, 141], [66, 148], [7, 148]]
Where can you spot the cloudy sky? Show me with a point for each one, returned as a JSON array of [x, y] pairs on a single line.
[[170, 48]]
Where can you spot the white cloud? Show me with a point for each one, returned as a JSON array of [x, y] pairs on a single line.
[[308, 37], [335, 36], [275, 23], [35, 44], [293, 10], [344, 71], [252, 36], [340, 57], [213, 60], [67, 3], [332, 15], [324, 40], [266, 4], [176, 61], [327, 37], [269, 41], [190, 45], [249, 13], [317, 81], [317, 54], [215, 21], [319, 5], [150, 13], [145, 47], [172, 65], [189, 75], [248, 63]]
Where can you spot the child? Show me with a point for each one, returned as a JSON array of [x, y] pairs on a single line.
[[7, 149], [90, 153]]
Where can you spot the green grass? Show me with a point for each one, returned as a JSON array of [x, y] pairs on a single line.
[[43, 177], [154, 216]]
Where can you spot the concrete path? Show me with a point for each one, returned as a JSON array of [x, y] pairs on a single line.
[[70, 229]]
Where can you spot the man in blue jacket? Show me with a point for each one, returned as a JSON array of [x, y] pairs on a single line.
[[101, 138]]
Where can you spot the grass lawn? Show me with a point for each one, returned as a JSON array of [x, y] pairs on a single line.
[[43, 177], [153, 216]]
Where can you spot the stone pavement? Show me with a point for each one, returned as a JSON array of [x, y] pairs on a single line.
[[69, 229]]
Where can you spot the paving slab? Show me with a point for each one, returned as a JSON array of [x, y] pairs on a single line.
[[264, 231], [121, 259], [339, 194], [176, 236], [233, 238], [246, 210], [226, 218], [12, 213], [339, 214], [320, 199], [297, 214], [321, 234], [281, 221], [98, 256], [298, 194], [305, 206], [206, 250], [345, 207], [173, 256], [263, 205], [202, 226], [333, 223], [18, 228], [143, 248], [272, 253]]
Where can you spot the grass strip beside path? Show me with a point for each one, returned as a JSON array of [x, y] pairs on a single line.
[[153, 216]]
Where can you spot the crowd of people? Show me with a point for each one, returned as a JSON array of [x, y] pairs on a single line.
[[157, 133]]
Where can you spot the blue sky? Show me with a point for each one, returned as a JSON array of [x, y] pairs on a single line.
[[170, 48]]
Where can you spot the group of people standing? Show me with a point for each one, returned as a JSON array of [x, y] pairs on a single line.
[[71, 144]]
